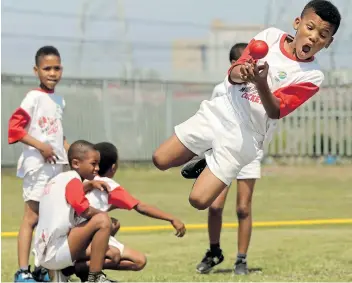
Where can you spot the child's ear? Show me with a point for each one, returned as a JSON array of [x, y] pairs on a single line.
[[329, 43], [75, 164], [35, 70], [114, 167], [296, 23]]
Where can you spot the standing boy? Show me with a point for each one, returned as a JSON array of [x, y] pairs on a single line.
[[37, 123]]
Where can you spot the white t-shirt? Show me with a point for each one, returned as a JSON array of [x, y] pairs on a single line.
[[218, 90], [62, 201], [292, 81], [118, 196], [45, 111]]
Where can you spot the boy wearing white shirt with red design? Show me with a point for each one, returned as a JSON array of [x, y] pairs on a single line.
[[37, 123]]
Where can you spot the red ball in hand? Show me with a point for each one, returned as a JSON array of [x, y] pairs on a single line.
[[258, 49]]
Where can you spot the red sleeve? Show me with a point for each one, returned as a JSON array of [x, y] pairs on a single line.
[[76, 197], [243, 59], [120, 198], [292, 96], [18, 121]]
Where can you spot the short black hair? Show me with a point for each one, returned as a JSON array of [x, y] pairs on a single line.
[[327, 11], [78, 150], [235, 53], [108, 156], [44, 51]]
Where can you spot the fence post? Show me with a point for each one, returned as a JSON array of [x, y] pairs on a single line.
[[106, 111], [168, 111]]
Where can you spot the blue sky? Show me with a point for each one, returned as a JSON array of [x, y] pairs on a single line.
[[38, 22]]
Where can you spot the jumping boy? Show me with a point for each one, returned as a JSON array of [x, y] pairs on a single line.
[[119, 198], [235, 126], [59, 239], [245, 186], [37, 123]]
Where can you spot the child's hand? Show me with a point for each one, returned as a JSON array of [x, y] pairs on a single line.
[[47, 151], [96, 185], [261, 74], [179, 227], [247, 72]]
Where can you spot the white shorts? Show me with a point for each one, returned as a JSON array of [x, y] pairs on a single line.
[[115, 243], [63, 259], [227, 144], [251, 170], [35, 180]]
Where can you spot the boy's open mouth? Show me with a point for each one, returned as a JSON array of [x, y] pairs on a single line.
[[306, 48]]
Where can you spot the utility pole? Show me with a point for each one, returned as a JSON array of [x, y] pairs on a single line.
[[123, 37], [82, 32]]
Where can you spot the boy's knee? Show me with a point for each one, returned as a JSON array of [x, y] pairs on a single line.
[[242, 211], [116, 257], [198, 202], [160, 161], [115, 226], [215, 211], [102, 221], [141, 263]]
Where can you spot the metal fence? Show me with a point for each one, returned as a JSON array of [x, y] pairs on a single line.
[[138, 115]]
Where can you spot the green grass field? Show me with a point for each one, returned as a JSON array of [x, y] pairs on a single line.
[[291, 253]]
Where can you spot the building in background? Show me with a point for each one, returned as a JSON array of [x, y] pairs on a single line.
[[206, 59]]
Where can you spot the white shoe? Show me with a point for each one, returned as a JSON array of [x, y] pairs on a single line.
[[57, 276]]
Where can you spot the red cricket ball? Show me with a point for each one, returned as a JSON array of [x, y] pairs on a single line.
[[258, 49]]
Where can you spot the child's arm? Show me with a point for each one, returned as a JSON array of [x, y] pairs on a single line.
[[66, 144], [96, 184], [75, 196], [46, 150], [270, 103], [120, 198], [153, 212], [250, 72], [17, 132]]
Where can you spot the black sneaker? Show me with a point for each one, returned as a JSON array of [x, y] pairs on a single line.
[[193, 168], [82, 276], [41, 274], [101, 277], [241, 267], [209, 261]]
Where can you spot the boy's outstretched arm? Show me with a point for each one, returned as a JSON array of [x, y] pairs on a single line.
[[154, 212]]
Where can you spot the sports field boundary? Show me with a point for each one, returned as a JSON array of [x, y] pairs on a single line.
[[224, 225]]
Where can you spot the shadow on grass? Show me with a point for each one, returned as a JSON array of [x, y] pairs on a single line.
[[230, 270]]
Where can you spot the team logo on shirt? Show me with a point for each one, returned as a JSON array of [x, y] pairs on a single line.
[[281, 75], [48, 125]]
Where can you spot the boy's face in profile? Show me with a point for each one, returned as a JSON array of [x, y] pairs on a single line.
[[49, 71], [313, 34], [88, 167]]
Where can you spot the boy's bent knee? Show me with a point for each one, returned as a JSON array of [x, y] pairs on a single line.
[[198, 203], [141, 263], [102, 220], [160, 161], [115, 226]]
